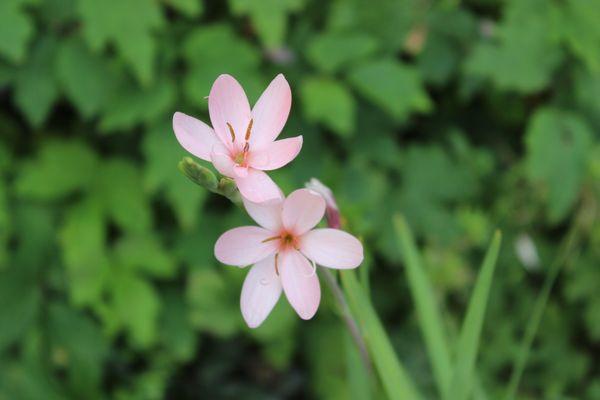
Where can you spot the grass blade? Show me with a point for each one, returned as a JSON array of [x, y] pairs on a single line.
[[530, 331], [562, 258], [468, 341], [395, 380], [430, 320]]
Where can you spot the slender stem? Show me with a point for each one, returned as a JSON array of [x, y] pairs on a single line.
[[349, 320], [567, 247]]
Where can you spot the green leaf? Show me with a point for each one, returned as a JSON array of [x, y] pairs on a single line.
[[391, 85], [144, 253], [577, 23], [136, 306], [395, 379], [428, 312], [129, 25], [163, 154], [470, 334], [82, 240], [525, 56], [190, 8], [85, 77], [131, 105], [119, 190], [214, 50], [327, 101], [5, 222], [19, 305], [558, 144], [36, 88], [28, 380], [78, 345], [269, 17], [16, 29], [60, 168], [176, 331], [214, 304], [333, 51], [389, 21]]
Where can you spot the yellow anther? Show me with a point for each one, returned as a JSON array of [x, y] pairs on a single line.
[[249, 130], [276, 269], [231, 131]]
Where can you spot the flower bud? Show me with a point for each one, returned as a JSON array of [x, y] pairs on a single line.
[[332, 212], [198, 174], [227, 187]]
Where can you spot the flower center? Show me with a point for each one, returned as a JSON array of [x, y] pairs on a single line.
[[286, 239], [241, 157]]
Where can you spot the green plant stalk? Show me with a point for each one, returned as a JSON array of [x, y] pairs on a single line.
[[347, 317], [470, 334], [428, 313], [395, 380], [520, 362]]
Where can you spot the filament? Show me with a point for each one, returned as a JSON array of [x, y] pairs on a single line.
[[314, 269], [270, 239]]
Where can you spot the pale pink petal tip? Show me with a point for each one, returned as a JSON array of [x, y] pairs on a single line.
[[300, 283], [244, 246], [260, 292], [194, 135], [332, 248], [271, 111], [276, 154]]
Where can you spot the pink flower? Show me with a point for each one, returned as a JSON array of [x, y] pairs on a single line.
[[280, 250], [242, 145]]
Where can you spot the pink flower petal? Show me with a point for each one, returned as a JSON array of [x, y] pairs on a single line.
[[261, 290], [332, 248], [194, 135], [267, 214], [271, 112], [276, 154], [244, 246], [257, 186], [240, 172], [222, 160], [302, 210], [300, 283], [227, 103]]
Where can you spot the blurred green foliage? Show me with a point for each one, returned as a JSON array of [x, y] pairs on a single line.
[[464, 116]]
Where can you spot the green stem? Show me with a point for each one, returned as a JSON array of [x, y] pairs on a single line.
[[567, 247], [347, 317]]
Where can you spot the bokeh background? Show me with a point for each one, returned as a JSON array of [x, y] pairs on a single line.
[[463, 116]]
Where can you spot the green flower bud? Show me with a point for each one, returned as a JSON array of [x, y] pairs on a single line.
[[227, 187], [198, 174]]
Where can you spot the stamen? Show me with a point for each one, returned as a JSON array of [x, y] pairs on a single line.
[[276, 269], [246, 147], [231, 131], [249, 130], [314, 271], [269, 239]]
